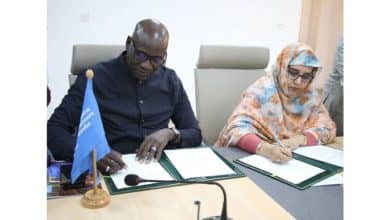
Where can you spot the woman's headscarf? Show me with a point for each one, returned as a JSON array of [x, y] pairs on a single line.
[[267, 111]]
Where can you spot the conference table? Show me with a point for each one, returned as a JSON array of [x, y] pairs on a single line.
[[253, 197], [244, 201], [316, 202]]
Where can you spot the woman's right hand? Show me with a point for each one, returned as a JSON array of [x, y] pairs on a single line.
[[274, 152]]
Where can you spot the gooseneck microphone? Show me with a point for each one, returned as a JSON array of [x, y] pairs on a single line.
[[133, 180]]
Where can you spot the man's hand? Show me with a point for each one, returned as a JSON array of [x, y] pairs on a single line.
[[295, 142], [111, 163], [154, 144], [274, 152]]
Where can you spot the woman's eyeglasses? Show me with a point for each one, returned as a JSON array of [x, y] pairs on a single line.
[[293, 74], [142, 57]]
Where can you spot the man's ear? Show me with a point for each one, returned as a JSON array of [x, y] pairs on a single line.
[[128, 41]]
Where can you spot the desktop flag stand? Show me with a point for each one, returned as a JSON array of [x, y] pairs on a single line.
[[91, 145]]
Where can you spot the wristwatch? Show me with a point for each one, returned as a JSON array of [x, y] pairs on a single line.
[[176, 138]]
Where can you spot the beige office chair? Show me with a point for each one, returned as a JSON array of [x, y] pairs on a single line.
[[222, 74], [87, 55]]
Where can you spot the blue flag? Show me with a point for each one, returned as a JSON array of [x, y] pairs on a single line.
[[90, 135]]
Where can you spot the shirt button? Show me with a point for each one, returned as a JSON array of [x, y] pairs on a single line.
[[141, 101], [142, 120]]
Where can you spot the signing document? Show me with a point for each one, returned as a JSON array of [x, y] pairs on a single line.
[[198, 162], [323, 153], [336, 179], [293, 171], [153, 170]]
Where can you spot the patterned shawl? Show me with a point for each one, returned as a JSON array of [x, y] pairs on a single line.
[[266, 111]]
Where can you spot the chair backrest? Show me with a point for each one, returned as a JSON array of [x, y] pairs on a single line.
[[222, 74], [87, 55]]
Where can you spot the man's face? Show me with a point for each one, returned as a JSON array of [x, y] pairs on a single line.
[[143, 58]]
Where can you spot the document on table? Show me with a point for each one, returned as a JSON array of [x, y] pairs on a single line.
[[336, 179], [323, 153], [293, 171], [153, 170], [198, 162]]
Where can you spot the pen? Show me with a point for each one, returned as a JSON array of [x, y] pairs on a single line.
[[278, 140]]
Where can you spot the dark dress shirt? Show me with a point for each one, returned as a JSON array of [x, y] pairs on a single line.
[[130, 109]]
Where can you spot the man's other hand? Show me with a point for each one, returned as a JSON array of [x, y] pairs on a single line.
[[111, 163], [153, 145]]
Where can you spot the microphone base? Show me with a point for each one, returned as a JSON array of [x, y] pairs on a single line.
[[215, 218]]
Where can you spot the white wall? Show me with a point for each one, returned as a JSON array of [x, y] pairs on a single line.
[[190, 23]]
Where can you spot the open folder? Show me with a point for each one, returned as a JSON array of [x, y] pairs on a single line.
[[200, 163], [302, 171]]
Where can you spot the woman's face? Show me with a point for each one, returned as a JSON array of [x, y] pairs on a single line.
[[299, 78]]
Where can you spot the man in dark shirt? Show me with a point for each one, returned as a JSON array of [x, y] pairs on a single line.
[[137, 96]]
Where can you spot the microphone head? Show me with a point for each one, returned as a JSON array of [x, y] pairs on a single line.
[[132, 180]]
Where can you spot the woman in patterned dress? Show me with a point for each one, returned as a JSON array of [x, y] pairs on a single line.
[[281, 111]]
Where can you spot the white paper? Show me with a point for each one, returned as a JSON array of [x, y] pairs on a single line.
[[153, 170], [293, 171], [197, 162], [323, 153], [336, 179]]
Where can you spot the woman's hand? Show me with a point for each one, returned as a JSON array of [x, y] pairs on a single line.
[[274, 152], [295, 142]]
